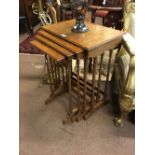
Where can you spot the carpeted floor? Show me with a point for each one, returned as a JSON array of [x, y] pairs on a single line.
[[41, 128]]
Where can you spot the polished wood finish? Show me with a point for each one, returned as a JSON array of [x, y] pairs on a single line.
[[62, 45], [96, 36], [48, 50], [54, 46], [61, 42], [58, 50]]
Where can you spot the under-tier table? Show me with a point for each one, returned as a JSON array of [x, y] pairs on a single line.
[[62, 46]]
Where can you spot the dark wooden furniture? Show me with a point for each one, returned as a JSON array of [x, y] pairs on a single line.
[[63, 46], [111, 12], [65, 10], [25, 9], [23, 24]]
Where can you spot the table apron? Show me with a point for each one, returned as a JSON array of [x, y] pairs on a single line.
[[101, 49]]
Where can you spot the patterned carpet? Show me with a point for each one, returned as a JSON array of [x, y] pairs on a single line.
[[26, 47]]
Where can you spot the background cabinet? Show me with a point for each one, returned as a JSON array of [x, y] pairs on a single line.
[[25, 9]]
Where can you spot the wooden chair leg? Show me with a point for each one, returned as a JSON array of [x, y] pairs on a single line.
[[93, 16], [103, 19]]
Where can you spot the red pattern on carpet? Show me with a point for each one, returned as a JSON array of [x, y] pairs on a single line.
[[27, 47]]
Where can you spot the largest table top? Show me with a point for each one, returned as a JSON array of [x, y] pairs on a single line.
[[58, 41], [95, 37]]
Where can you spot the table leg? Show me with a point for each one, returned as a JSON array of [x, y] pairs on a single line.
[[63, 73], [69, 84], [107, 77], [58, 72], [90, 65], [99, 79], [50, 81], [78, 87], [53, 73], [85, 83], [49, 73], [70, 112], [93, 82]]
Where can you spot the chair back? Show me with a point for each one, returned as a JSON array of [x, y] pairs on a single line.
[[53, 13], [108, 2], [113, 2]]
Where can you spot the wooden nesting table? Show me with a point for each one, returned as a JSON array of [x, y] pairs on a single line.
[[61, 46]]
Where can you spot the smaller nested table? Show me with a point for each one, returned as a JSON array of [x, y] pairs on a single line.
[[61, 47]]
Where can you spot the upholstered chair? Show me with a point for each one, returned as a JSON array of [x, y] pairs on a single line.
[[124, 69]]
